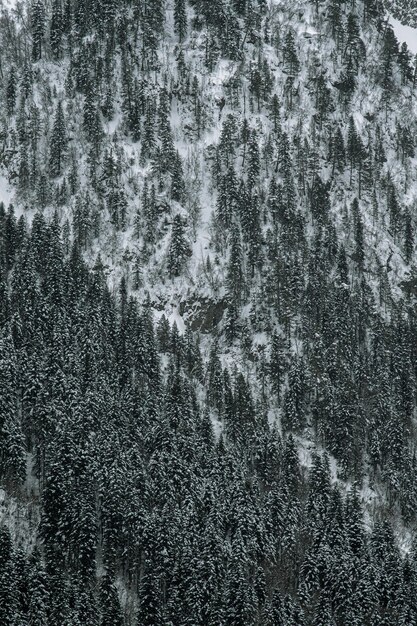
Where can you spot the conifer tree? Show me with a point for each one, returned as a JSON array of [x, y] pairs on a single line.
[[56, 30], [408, 237], [111, 613], [180, 19], [290, 55], [38, 591], [179, 249], [235, 274], [58, 143], [177, 184], [11, 91], [149, 613], [8, 599], [38, 28], [12, 450]]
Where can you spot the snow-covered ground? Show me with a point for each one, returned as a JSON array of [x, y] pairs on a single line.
[[405, 33], [6, 191], [8, 4]]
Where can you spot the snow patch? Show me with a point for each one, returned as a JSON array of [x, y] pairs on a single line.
[[405, 33], [6, 192]]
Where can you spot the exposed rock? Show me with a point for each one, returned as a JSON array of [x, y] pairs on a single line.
[[409, 286], [203, 314]]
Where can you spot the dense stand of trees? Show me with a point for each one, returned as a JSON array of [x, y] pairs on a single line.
[[166, 464], [403, 10], [199, 530]]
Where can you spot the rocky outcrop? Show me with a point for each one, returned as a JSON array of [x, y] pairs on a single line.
[[203, 314]]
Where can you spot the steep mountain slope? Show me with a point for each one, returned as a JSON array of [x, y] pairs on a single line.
[[406, 34], [208, 314], [404, 10]]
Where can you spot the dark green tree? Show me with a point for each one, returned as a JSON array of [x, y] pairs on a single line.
[[38, 28], [179, 248], [58, 143], [180, 19]]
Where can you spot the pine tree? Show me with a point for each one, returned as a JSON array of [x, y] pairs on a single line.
[[38, 591], [253, 160], [295, 401], [168, 153], [111, 613], [359, 236], [275, 115], [255, 84], [177, 184], [149, 613], [277, 362], [319, 198], [354, 45], [56, 31], [12, 449], [8, 599], [352, 145], [234, 280], [179, 249], [27, 79], [215, 378], [11, 91], [38, 28], [20, 585], [87, 610], [389, 52], [180, 19], [291, 61], [394, 210], [240, 600], [404, 58], [91, 120], [408, 237], [337, 151], [58, 143]]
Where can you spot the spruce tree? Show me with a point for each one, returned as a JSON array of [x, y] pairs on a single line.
[[111, 613], [38, 28], [179, 248], [56, 30], [58, 143], [11, 91], [180, 19]]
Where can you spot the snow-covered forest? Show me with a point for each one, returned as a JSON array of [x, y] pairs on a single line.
[[405, 11], [208, 313]]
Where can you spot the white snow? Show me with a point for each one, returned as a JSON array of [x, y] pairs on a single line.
[[6, 191], [8, 4], [176, 317], [405, 33]]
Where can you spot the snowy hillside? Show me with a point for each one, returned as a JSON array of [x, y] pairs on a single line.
[[208, 289], [405, 11], [406, 34]]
